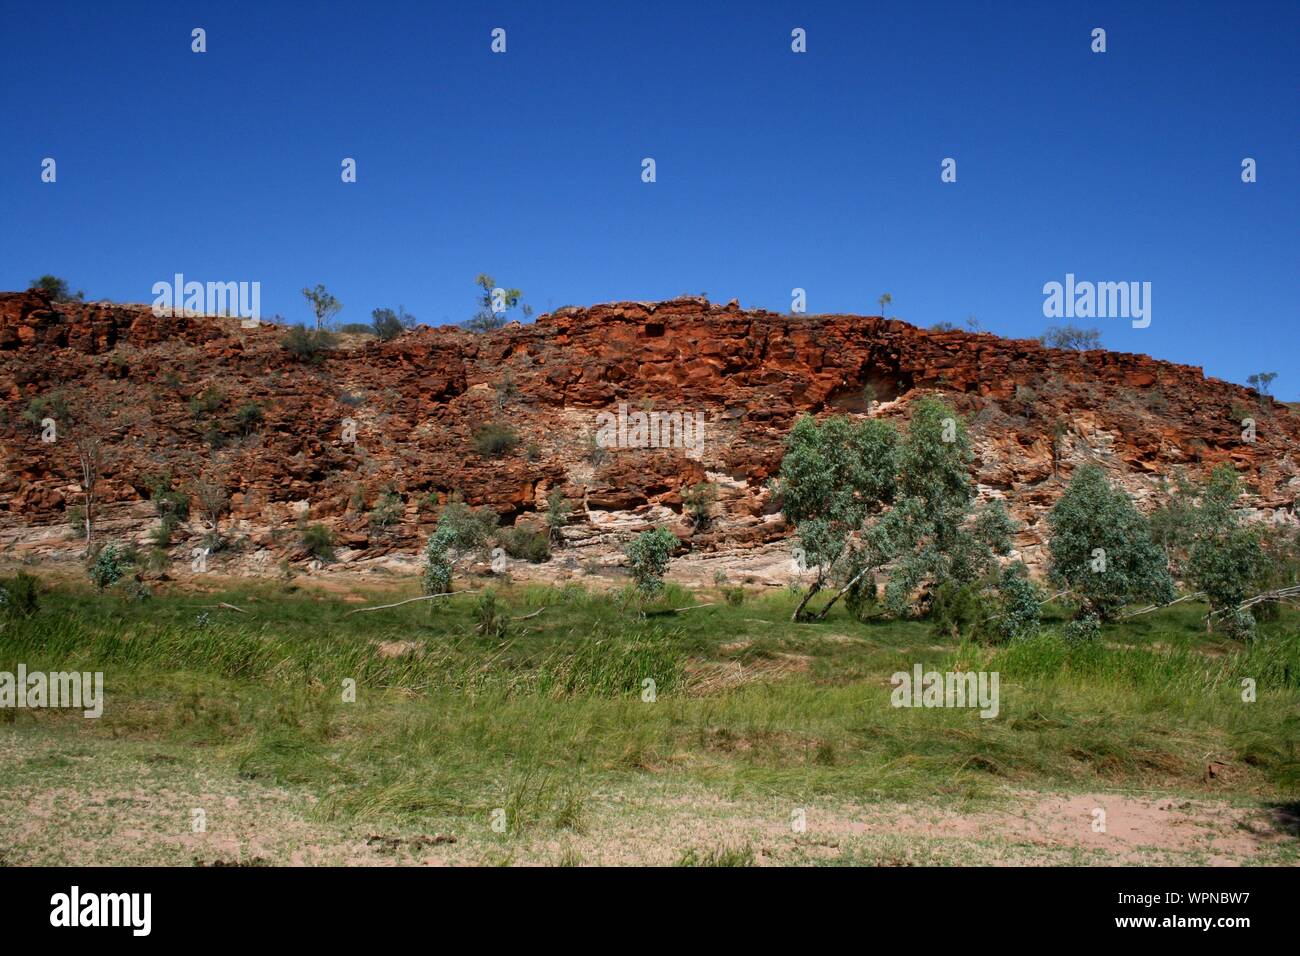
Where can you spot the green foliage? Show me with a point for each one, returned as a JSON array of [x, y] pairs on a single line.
[[1101, 548], [56, 288], [558, 509], [460, 529], [248, 417], [318, 541], [1224, 557], [386, 512], [506, 389], [1071, 337], [932, 533], [832, 476], [531, 546], [53, 405], [20, 596], [1172, 525], [1085, 628], [206, 402], [109, 565], [495, 439], [438, 561], [1019, 604], [469, 528], [172, 505], [698, 500], [862, 600], [490, 619], [323, 305], [1261, 382], [959, 612], [648, 555], [388, 325], [306, 345], [486, 319]]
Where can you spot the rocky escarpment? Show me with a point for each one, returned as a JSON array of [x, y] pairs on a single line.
[[327, 438]]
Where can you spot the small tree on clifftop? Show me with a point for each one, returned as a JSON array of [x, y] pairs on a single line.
[[323, 305]]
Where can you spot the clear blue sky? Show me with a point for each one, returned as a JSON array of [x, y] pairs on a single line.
[[775, 170]]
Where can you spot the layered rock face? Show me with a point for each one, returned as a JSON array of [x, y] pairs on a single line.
[[172, 396]]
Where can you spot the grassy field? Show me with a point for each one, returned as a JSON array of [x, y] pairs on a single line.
[[764, 741]]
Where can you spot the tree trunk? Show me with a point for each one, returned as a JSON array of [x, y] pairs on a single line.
[[840, 593], [798, 612]]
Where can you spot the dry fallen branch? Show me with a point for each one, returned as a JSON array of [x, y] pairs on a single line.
[[527, 616], [1156, 607], [229, 607], [422, 597], [1280, 596]]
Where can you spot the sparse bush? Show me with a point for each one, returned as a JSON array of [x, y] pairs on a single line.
[[468, 528], [318, 541], [698, 500], [495, 439], [557, 514], [47, 406], [1019, 608], [1071, 337], [862, 598], [1086, 628], [1262, 382], [57, 288], [490, 620], [532, 546], [206, 402], [248, 417], [20, 596], [109, 565], [648, 554], [173, 507], [386, 324], [460, 529], [506, 390], [486, 318], [735, 596], [438, 561], [387, 511], [958, 612], [306, 345]]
